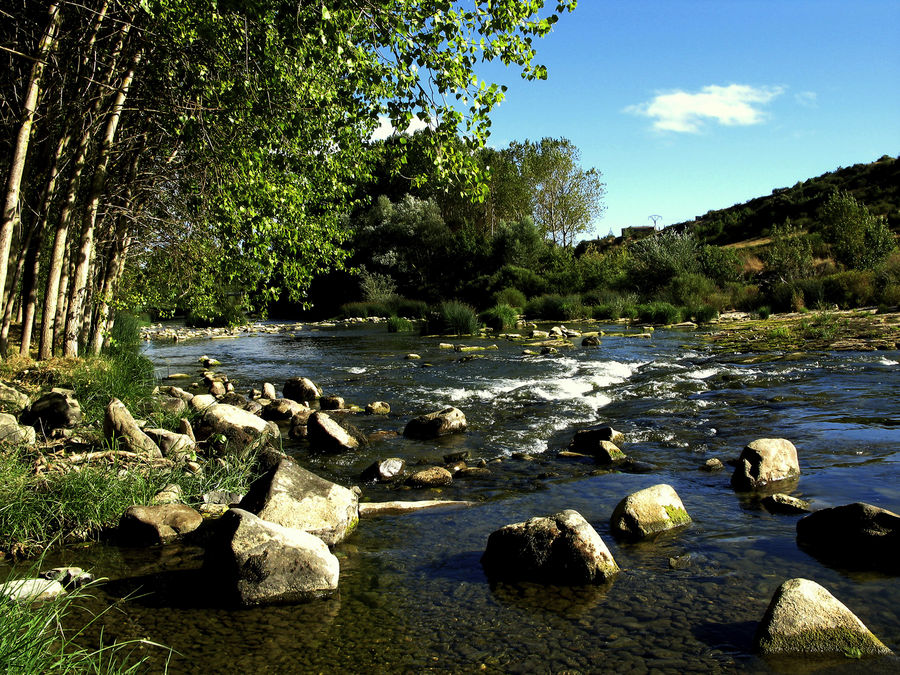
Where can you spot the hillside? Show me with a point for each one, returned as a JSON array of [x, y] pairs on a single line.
[[877, 185]]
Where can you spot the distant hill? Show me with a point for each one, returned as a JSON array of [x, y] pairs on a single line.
[[876, 185]]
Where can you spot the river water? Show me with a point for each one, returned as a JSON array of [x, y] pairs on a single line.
[[413, 597]]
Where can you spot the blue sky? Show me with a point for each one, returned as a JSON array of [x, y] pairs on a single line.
[[691, 105]]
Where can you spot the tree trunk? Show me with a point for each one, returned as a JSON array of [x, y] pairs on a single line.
[[62, 305], [11, 209], [9, 309], [74, 315], [114, 269]]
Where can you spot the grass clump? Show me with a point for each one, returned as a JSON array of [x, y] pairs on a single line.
[[501, 318], [452, 318], [659, 312], [398, 324], [510, 296], [556, 307]]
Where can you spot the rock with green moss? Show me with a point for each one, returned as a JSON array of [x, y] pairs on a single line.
[[803, 618], [649, 511]]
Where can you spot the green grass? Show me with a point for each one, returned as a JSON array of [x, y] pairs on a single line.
[[502, 318], [452, 318], [33, 638], [398, 324]]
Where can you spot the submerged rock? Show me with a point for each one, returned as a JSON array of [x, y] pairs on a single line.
[[804, 618], [440, 423], [649, 511], [588, 440], [262, 562], [782, 503], [291, 496], [559, 549], [863, 535], [765, 461], [433, 476]]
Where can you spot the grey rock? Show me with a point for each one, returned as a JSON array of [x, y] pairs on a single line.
[[173, 445], [765, 461], [31, 590], [331, 403], [264, 563], [172, 404], [864, 535], [283, 409], [157, 524], [588, 440], [378, 408], [804, 618], [57, 409], [301, 389], [241, 429], [782, 503], [119, 425], [326, 435], [12, 399], [291, 496], [268, 391], [559, 549], [440, 423], [14, 433], [69, 577], [649, 511], [433, 476], [384, 470]]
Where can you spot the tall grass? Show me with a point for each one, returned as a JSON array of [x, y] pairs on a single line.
[[501, 318], [33, 640], [452, 318], [556, 307], [398, 324]]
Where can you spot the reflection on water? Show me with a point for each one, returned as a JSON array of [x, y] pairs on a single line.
[[413, 597]]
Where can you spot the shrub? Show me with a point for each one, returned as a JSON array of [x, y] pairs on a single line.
[[705, 314], [691, 290], [502, 318], [363, 310], [510, 296], [411, 309], [556, 307], [854, 288], [659, 312], [398, 324], [526, 280], [453, 317], [764, 312]]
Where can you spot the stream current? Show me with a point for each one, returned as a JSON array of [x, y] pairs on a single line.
[[413, 597]]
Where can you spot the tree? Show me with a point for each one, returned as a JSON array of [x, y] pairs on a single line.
[[858, 239], [789, 255], [245, 122], [564, 199], [657, 259]]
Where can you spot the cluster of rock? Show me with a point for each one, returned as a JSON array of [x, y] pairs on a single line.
[[160, 331]]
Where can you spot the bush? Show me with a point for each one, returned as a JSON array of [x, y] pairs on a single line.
[[691, 290], [764, 312], [453, 318], [411, 309], [556, 307], [398, 324], [502, 318], [705, 314], [510, 296], [659, 312], [526, 280], [855, 288]]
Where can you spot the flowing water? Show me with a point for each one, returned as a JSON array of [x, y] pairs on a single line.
[[413, 597]]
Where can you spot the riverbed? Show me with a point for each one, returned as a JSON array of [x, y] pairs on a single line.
[[413, 597]]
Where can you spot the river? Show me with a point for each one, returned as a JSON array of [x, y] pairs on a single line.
[[413, 597]]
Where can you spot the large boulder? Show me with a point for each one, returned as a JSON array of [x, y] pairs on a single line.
[[240, 428], [860, 534], [326, 435], [31, 590], [264, 563], [157, 524], [558, 549], [649, 511], [301, 389], [764, 461], [13, 432], [12, 399], [803, 618], [432, 425], [57, 409], [119, 425], [291, 496]]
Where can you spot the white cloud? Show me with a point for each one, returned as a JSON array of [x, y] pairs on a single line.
[[385, 129], [808, 99], [686, 112]]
